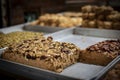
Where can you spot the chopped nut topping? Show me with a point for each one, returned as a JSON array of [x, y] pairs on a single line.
[[43, 48], [16, 37], [108, 46]]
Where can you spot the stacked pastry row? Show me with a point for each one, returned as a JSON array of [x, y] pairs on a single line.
[[56, 56], [58, 20], [100, 17]]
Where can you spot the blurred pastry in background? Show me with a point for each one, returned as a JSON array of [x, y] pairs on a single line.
[[85, 16], [87, 8], [107, 25], [91, 16], [85, 23], [57, 20], [72, 14], [92, 24], [116, 25], [100, 24]]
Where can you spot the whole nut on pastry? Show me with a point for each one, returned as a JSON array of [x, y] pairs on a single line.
[[65, 51], [43, 57], [49, 38], [28, 56], [56, 56]]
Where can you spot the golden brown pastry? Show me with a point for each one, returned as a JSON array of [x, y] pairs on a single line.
[[92, 24], [101, 53], [57, 20], [72, 14], [87, 8], [100, 24], [94, 8], [91, 16], [106, 17], [36, 22], [107, 10], [85, 16], [113, 17], [107, 25], [16, 37], [114, 12], [85, 23], [101, 17], [43, 53]]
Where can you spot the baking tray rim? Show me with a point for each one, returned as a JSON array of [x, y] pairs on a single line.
[[32, 68], [47, 70], [90, 32], [35, 68]]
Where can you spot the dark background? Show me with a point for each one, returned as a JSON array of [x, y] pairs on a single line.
[[15, 12]]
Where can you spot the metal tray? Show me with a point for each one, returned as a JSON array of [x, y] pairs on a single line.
[[44, 29], [82, 37], [100, 75], [78, 71], [13, 28]]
